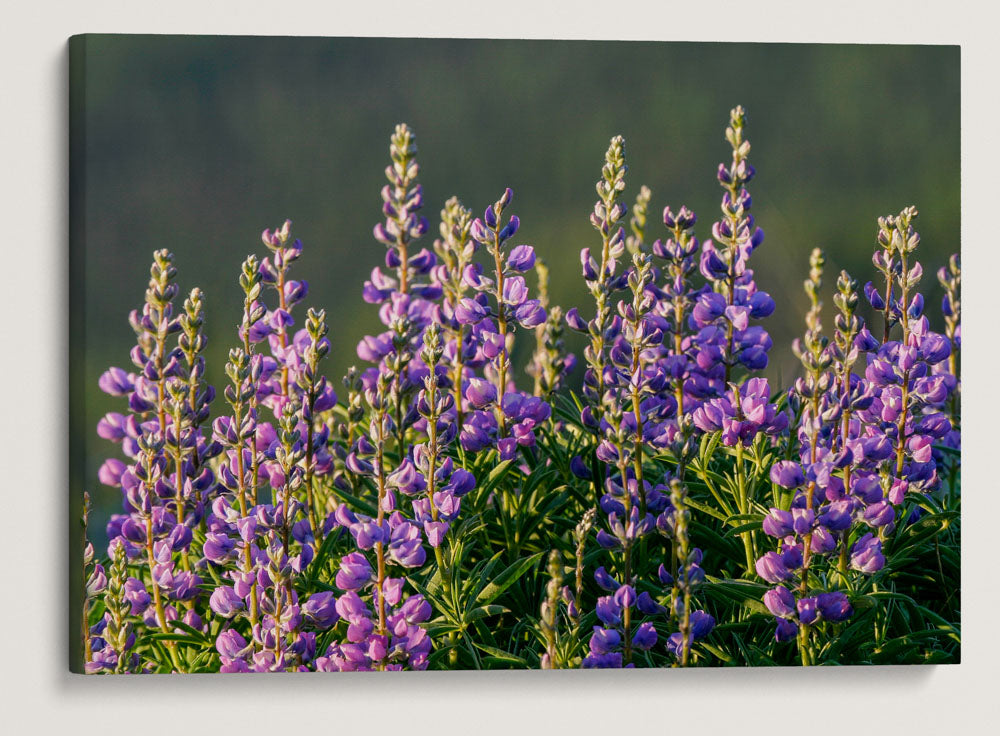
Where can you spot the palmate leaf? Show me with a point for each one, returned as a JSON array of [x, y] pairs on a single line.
[[537, 505], [750, 655], [483, 612], [326, 639], [161, 657], [904, 649], [742, 592], [205, 661], [710, 539], [200, 635], [359, 504], [708, 510], [170, 636], [495, 476], [499, 656], [567, 408], [739, 523], [740, 528], [714, 483], [737, 518], [322, 555], [440, 604], [912, 535], [953, 451], [493, 589], [893, 596], [717, 653], [857, 631], [707, 447]]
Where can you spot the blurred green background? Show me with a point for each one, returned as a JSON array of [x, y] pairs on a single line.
[[198, 143]]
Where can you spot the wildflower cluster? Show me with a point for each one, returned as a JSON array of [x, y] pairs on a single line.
[[865, 442], [677, 510]]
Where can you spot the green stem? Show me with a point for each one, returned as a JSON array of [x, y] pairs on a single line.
[[502, 326], [744, 506]]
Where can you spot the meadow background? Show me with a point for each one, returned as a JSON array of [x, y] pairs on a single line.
[[197, 143]]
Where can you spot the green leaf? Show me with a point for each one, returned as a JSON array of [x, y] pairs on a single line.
[[718, 653], [324, 551], [483, 611], [360, 504], [191, 630], [743, 592], [745, 517], [956, 452], [706, 509], [506, 579], [495, 476], [163, 636], [500, 654], [737, 530]]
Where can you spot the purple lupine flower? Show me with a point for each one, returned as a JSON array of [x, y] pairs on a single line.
[[723, 313], [786, 629], [510, 306], [355, 571], [787, 474], [225, 602], [645, 636], [480, 393], [772, 568], [701, 625], [521, 258], [320, 609], [741, 415], [834, 606], [778, 523], [780, 601], [807, 609], [866, 555]]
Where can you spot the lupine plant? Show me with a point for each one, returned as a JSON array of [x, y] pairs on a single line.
[[665, 504]]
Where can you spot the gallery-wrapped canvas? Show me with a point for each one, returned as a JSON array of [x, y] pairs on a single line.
[[536, 393]]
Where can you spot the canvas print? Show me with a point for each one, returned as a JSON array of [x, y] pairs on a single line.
[[408, 354]]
